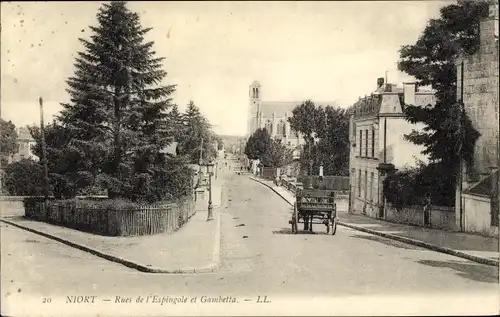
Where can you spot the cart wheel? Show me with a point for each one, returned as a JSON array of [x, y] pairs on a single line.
[[334, 226]]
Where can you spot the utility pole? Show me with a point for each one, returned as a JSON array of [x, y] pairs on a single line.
[[44, 152], [496, 177]]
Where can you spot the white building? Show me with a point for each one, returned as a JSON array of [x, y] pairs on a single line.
[[25, 143], [377, 129]]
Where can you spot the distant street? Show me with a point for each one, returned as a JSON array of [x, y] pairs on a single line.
[[259, 257]]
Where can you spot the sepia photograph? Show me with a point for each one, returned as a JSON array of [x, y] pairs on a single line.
[[249, 158]]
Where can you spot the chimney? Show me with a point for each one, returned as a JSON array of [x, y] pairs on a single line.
[[409, 93], [380, 82]]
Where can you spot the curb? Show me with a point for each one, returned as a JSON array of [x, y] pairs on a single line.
[[419, 243], [213, 266]]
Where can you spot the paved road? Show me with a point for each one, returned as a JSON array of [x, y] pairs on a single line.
[[260, 257]]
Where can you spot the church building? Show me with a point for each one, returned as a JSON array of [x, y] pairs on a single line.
[[273, 115]]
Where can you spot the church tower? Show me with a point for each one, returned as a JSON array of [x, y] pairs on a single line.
[[254, 107]]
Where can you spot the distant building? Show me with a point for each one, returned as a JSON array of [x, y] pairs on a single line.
[[477, 207], [376, 131], [273, 115], [25, 143], [171, 149]]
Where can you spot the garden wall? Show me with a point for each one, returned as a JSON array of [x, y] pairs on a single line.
[[292, 186], [439, 217], [337, 183]]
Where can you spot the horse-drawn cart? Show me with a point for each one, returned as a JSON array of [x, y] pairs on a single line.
[[314, 206]]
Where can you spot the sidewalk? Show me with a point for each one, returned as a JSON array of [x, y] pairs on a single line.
[[194, 248], [472, 247]]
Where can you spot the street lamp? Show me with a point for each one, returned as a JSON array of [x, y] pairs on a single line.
[[210, 170]]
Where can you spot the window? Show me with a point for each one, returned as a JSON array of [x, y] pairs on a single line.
[[269, 127], [281, 128], [359, 183], [373, 143], [361, 150], [372, 186], [366, 143], [366, 184]]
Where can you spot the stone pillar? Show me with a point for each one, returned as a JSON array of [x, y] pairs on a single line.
[[385, 169], [495, 205]]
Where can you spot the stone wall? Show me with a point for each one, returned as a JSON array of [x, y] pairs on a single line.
[[480, 94], [439, 217]]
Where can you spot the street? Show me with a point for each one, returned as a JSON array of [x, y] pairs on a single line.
[[260, 257]]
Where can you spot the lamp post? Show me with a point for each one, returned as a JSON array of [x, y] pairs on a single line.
[[210, 167], [44, 153]]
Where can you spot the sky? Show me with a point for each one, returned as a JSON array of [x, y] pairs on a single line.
[[323, 51]]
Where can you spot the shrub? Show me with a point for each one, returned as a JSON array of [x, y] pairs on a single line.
[[24, 178], [400, 189], [419, 185]]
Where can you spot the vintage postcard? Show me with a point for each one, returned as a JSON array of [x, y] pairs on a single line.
[[267, 158]]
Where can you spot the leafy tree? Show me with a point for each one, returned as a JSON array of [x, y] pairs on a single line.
[[24, 178], [431, 60], [326, 132], [67, 168], [333, 145], [305, 119], [116, 123], [8, 140], [277, 155], [449, 136], [257, 144]]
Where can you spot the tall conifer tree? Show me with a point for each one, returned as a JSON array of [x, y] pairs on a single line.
[[118, 112], [197, 129]]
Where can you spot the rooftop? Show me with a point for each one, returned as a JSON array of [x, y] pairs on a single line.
[[389, 98], [483, 188]]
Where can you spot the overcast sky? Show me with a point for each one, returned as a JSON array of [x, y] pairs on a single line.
[[324, 51]]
